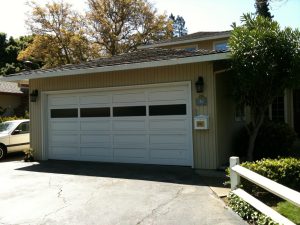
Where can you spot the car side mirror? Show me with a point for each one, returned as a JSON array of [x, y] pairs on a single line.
[[16, 132]]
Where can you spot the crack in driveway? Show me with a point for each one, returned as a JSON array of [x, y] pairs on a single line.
[[157, 208], [55, 211], [60, 190]]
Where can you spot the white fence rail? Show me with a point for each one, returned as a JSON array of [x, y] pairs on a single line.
[[237, 171]]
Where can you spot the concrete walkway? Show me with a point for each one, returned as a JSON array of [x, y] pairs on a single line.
[[60, 192]]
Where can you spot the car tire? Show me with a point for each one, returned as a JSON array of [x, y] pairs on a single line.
[[2, 152]]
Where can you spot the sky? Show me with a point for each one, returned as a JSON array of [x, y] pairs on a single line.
[[199, 15]]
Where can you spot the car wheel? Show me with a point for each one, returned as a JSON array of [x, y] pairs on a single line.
[[2, 152]]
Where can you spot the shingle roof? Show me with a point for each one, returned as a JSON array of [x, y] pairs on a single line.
[[9, 87], [191, 37], [139, 56]]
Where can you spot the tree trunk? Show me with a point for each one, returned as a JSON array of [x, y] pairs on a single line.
[[251, 145], [252, 137]]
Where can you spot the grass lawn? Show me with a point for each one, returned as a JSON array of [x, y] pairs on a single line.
[[290, 211]]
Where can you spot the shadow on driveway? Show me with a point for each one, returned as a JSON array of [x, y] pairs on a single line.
[[15, 156], [168, 174]]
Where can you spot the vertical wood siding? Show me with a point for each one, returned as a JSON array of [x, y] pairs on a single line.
[[9, 101], [204, 142]]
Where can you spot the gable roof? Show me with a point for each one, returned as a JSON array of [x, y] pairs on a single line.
[[190, 38], [145, 58], [10, 88]]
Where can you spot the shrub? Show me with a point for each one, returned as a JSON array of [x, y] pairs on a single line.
[[285, 171], [274, 139], [247, 212]]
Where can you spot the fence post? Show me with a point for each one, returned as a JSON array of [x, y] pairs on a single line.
[[234, 177]]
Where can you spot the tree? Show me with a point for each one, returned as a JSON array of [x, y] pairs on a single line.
[[9, 50], [265, 62], [119, 26], [179, 28], [262, 8], [59, 35]]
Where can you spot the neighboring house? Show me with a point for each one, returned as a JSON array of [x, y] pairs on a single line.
[[12, 96], [139, 107], [217, 40]]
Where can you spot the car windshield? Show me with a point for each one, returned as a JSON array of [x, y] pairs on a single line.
[[5, 127]]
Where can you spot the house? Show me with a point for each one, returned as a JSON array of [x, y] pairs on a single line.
[[13, 97], [167, 103]]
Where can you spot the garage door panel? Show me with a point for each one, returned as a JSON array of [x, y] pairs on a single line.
[[167, 95], [129, 125], [64, 150], [95, 139], [64, 139], [162, 124], [126, 97], [130, 153], [168, 154], [63, 100], [96, 151], [64, 126], [95, 125], [95, 100], [130, 141], [165, 139]]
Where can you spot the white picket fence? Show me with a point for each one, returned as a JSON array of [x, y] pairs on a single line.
[[237, 171]]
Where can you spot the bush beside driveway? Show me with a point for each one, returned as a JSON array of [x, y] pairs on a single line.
[[58, 192]]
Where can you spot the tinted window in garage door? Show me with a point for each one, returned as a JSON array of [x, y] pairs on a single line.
[[164, 110], [129, 111], [64, 113]]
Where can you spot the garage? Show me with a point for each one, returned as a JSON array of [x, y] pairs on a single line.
[[149, 124]]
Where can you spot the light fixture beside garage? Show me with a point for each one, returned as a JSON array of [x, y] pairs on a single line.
[[199, 85], [201, 100], [33, 95]]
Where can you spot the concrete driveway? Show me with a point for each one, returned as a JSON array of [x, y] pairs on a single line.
[[60, 192]]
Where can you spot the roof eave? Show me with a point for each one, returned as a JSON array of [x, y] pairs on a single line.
[[171, 43], [170, 62]]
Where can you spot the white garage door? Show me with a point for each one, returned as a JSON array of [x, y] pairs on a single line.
[[143, 125]]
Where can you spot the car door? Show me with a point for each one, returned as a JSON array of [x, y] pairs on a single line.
[[19, 139]]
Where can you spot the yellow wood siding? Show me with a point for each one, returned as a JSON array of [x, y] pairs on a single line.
[[204, 142], [9, 101]]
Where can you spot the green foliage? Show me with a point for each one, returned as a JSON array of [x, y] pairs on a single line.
[[273, 139], [179, 28], [9, 50], [265, 61], [290, 211], [262, 8], [264, 58], [285, 171], [247, 212]]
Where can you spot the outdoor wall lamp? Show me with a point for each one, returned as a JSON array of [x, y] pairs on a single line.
[[199, 85], [33, 95]]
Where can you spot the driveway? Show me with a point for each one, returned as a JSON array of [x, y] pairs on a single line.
[[61, 192]]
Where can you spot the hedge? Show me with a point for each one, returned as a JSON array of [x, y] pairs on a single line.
[[285, 171]]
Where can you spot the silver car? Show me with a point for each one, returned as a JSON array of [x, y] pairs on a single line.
[[14, 137]]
